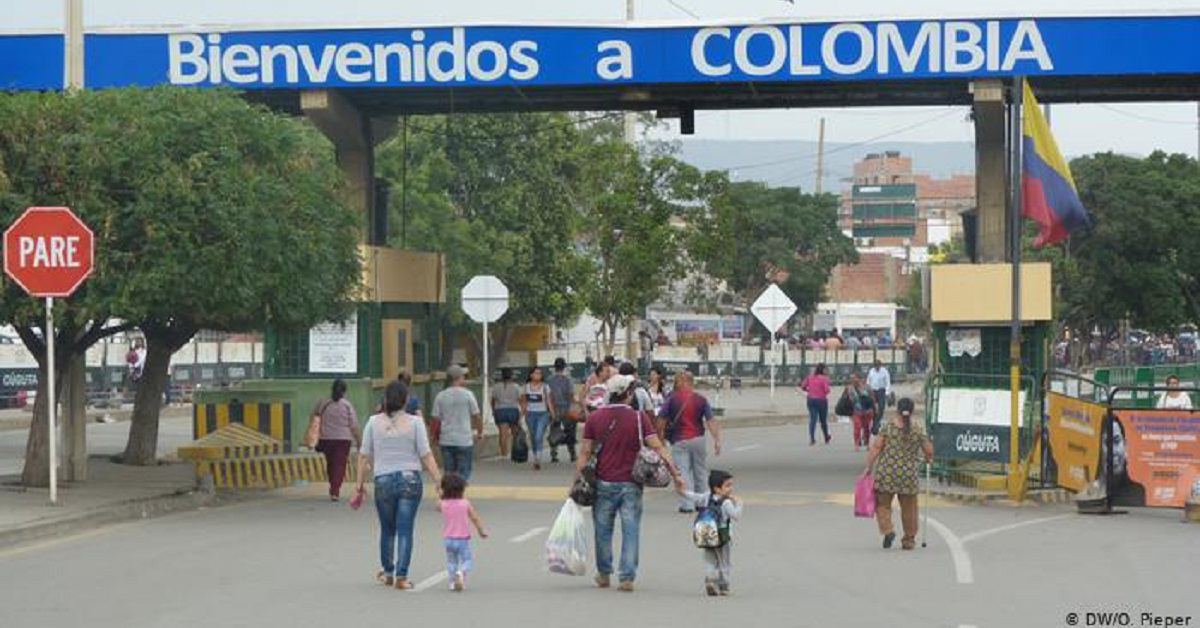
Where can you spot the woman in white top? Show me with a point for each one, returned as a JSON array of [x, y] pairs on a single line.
[[536, 406], [395, 447], [1174, 399]]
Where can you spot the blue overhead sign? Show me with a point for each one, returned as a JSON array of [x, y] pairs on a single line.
[[592, 56]]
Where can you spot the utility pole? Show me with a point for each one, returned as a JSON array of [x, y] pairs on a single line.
[[821, 157]]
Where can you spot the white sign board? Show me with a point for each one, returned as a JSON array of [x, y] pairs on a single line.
[[973, 406], [961, 342], [773, 308], [333, 347], [485, 299]]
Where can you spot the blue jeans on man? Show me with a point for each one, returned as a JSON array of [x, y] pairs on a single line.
[[397, 497], [458, 459], [625, 499]]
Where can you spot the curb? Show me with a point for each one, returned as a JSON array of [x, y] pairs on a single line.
[[1038, 496], [132, 510]]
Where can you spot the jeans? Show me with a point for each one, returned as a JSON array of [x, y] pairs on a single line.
[[691, 456], [397, 497], [818, 410], [458, 460], [612, 498], [537, 422], [458, 557]]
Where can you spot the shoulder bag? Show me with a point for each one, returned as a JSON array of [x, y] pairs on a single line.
[[583, 491], [649, 469], [313, 434]]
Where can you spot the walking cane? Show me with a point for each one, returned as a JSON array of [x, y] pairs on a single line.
[[925, 528]]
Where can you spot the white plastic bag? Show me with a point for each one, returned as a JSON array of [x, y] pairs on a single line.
[[567, 545]]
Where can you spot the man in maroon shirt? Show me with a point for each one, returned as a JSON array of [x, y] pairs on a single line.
[[612, 435]]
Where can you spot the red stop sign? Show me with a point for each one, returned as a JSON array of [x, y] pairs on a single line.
[[48, 251]]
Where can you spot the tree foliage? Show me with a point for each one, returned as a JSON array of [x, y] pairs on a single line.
[[1138, 262], [752, 235], [210, 213]]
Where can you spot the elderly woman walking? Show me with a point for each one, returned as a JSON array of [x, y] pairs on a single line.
[[895, 458], [395, 447]]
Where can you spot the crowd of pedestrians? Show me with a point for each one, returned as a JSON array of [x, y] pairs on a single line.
[[622, 419]]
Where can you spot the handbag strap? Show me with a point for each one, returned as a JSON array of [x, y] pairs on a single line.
[[608, 432]]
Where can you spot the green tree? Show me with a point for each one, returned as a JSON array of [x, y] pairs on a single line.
[[210, 213], [1137, 263], [500, 194], [752, 235], [628, 230]]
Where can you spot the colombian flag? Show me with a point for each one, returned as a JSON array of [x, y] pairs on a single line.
[[1048, 190]]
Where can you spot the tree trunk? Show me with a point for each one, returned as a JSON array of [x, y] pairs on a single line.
[[74, 420], [142, 447], [37, 454]]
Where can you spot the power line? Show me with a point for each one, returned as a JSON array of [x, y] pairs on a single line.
[[1144, 118], [683, 8], [843, 147]]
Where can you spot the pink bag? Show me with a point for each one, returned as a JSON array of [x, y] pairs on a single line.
[[864, 496]]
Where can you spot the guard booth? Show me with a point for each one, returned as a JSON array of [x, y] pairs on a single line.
[[968, 393], [395, 328]]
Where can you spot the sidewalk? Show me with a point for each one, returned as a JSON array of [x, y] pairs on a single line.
[[113, 493]]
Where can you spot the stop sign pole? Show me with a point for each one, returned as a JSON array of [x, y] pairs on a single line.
[[485, 300], [49, 252]]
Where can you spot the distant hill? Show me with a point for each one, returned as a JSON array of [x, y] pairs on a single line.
[[792, 163]]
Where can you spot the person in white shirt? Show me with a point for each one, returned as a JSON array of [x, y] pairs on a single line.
[[879, 381], [1174, 399]]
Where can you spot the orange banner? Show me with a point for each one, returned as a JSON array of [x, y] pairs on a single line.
[[1075, 428], [1156, 457]]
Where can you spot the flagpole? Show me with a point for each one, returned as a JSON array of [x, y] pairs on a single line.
[[1015, 479]]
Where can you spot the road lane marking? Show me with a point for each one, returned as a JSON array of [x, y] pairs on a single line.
[[962, 560], [521, 538], [433, 580], [975, 536], [747, 448]]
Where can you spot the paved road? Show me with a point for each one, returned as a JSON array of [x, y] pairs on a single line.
[[801, 560]]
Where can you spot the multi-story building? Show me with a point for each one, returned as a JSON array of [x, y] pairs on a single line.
[[941, 202], [881, 209]]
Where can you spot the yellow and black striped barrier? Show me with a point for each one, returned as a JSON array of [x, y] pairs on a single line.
[[272, 471], [272, 419]]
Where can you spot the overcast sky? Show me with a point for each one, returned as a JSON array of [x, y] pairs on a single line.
[[1127, 128]]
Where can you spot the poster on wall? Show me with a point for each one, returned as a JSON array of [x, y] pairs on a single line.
[[1073, 453], [961, 342], [733, 328], [697, 332], [1156, 457], [333, 347]]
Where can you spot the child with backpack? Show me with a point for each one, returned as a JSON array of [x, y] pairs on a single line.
[[716, 509], [457, 517]]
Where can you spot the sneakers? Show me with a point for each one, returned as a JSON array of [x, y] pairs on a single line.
[[603, 581], [626, 586], [710, 588], [888, 539], [460, 582], [828, 438]]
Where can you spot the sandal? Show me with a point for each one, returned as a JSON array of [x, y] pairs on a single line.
[[402, 584], [384, 579]]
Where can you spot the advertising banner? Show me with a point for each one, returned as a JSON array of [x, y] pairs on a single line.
[[733, 327], [1156, 457], [1075, 430], [697, 332]]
